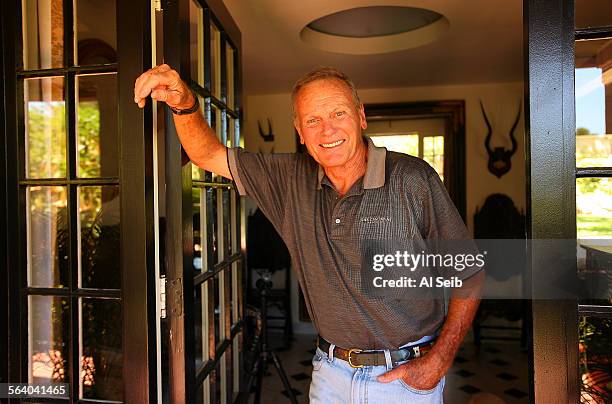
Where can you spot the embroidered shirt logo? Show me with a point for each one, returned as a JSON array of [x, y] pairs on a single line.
[[375, 219]]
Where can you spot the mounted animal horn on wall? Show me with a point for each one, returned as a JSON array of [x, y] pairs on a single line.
[[500, 158], [269, 136]]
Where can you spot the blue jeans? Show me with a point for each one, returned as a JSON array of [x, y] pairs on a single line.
[[335, 381]]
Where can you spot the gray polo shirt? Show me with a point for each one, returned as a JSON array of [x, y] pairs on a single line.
[[399, 197]]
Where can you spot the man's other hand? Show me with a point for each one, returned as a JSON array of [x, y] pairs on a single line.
[[422, 373], [163, 84]]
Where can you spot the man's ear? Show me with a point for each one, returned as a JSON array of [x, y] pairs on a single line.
[[362, 117]]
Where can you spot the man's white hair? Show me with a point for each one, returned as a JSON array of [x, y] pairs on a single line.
[[323, 73]]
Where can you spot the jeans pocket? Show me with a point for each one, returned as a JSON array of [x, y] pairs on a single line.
[[317, 360], [415, 390]]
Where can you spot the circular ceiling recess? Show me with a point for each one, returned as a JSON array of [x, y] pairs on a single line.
[[375, 29]]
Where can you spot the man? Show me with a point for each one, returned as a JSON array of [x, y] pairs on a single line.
[[329, 206]]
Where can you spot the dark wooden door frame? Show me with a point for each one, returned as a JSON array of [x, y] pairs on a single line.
[[179, 228], [136, 189], [4, 351], [453, 113], [11, 41], [136, 179], [551, 193]]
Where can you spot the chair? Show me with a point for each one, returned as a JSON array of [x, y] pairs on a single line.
[[499, 219]]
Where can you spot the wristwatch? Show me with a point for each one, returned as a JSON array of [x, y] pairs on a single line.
[[187, 111]]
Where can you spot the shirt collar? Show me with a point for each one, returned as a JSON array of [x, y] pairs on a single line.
[[375, 169]]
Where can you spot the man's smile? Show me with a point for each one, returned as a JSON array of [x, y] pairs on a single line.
[[333, 144]]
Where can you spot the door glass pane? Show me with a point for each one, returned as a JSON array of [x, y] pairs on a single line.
[[197, 233], [594, 208], [48, 237], [595, 340], [227, 305], [227, 247], [43, 34], [220, 226], [49, 336], [229, 60], [594, 231], [196, 172], [96, 32], [215, 123], [232, 294], [236, 367], [45, 127], [199, 229], [211, 228], [99, 237], [595, 271], [233, 222], [594, 103], [196, 42], [593, 13], [217, 305], [97, 125], [101, 349], [201, 324], [215, 61]]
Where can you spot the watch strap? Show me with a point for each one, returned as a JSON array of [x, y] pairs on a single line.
[[187, 111]]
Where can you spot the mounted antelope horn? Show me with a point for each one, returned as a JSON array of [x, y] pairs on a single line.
[[500, 159], [514, 125], [489, 129], [269, 136]]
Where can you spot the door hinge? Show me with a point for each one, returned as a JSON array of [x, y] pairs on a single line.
[[157, 4], [162, 296]]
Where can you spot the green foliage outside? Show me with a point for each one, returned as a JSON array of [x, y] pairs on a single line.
[[46, 153], [593, 195], [89, 139], [46, 140]]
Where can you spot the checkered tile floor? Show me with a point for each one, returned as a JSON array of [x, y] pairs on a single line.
[[496, 374]]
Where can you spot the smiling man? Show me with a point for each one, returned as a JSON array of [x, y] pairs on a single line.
[[327, 206]]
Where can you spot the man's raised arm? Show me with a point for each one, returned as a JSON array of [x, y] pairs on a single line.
[[200, 142]]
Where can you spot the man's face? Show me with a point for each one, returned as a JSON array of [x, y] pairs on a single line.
[[329, 123]]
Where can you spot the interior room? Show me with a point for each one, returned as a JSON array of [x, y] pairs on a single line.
[[133, 271], [441, 63]]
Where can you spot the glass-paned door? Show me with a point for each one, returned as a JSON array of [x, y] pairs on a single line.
[[69, 187], [212, 287], [216, 217], [593, 92], [69, 226]]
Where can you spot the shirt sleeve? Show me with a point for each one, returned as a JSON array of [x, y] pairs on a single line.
[[264, 178], [444, 226]]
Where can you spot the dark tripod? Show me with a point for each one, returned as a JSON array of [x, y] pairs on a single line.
[[264, 284]]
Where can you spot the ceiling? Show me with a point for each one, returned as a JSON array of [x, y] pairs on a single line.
[[482, 45]]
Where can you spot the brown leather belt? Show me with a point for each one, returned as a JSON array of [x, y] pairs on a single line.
[[359, 358]]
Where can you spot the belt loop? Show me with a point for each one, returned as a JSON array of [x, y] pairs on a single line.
[[388, 359], [330, 353]]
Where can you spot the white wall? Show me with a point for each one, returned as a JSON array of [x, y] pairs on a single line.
[[501, 101]]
